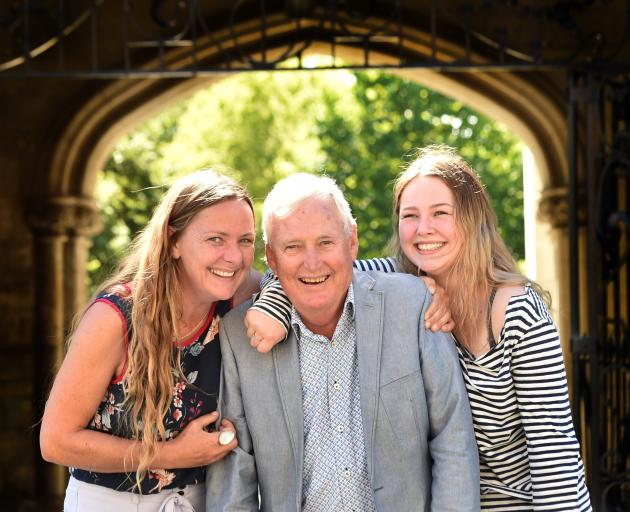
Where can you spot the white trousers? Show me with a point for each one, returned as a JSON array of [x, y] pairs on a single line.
[[84, 497]]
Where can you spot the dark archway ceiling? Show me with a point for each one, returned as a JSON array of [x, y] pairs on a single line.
[[184, 38]]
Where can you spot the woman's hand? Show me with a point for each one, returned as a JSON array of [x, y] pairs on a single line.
[[195, 446], [264, 332], [438, 315]]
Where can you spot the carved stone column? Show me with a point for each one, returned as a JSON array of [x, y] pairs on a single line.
[[553, 210], [60, 226]]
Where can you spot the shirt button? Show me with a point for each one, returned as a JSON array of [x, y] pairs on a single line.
[[340, 428], [334, 344], [336, 385], [346, 472]]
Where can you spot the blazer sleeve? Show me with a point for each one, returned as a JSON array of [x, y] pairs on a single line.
[[455, 471], [232, 483]]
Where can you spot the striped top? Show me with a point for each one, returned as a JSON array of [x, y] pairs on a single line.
[[518, 396], [528, 451]]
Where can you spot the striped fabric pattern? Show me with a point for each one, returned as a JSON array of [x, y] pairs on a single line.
[[529, 454]]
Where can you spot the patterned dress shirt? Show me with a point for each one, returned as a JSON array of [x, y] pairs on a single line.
[[335, 466]]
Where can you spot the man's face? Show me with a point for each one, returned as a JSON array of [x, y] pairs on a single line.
[[311, 253]]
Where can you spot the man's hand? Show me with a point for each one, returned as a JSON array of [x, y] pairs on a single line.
[[438, 315], [264, 331]]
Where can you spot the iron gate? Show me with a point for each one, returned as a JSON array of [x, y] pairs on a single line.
[[599, 156], [180, 38]]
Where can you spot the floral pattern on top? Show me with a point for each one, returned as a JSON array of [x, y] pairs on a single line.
[[193, 397]]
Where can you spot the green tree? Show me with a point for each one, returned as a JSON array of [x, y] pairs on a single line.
[[366, 147], [128, 189], [359, 127]]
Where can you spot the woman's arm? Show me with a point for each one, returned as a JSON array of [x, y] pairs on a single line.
[[268, 320], [542, 396], [96, 355], [249, 286]]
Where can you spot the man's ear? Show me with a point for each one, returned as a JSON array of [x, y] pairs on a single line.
[[354, 242], [271, 260]]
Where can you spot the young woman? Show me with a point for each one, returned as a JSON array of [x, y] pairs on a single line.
[[132, 407], [508, 344]]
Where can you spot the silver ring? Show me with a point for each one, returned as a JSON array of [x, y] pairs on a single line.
[[226, 437]]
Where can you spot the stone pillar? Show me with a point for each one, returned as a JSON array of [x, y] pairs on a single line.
[[553, 219], [60, 228]]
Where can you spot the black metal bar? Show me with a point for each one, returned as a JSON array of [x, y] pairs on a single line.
[[192, 9], [433, 31], [26, 9], [61, 36], [574, 261], [94, 37], [126, 55], [593, 291], [263, 29]]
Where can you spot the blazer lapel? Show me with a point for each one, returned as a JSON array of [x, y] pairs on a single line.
[[287, 366], [369, 328]]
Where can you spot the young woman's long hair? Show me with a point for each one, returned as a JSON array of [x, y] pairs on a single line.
[[152, 274], [484, 261]]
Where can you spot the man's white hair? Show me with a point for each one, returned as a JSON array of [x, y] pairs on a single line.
[[290, 192]]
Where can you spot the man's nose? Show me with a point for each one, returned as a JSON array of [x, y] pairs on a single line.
[[311, 259]]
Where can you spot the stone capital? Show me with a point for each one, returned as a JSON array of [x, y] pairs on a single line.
[[553, 207], [63, 216]]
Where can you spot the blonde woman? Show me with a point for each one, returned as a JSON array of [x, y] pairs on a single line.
[[132, 409], [507, 342]]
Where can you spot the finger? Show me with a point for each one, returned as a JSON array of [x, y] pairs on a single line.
[[265, 346], [207, 419], [227, 424], [430, 283], [251, 331], [439, 322], [433, 312], [448, 326]]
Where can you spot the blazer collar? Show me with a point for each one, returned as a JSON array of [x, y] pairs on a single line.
[[287, 366], [369, 327]]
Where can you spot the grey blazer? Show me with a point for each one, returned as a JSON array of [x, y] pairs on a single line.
[[419, 441]]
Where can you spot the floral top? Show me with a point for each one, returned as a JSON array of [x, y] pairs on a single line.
[[201, 363]]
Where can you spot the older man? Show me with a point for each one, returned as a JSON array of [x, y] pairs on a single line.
[[361, 408]]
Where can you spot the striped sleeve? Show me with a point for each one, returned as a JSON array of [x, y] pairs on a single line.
[[557, 473], [387, 265], [273, 301]]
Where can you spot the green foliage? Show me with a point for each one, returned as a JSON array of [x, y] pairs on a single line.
[[360, 127], [392, 118]]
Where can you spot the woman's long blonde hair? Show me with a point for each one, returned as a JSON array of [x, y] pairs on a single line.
[[484, 261], [152, 273]]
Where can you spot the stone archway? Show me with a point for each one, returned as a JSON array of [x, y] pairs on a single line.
[[63, 218]]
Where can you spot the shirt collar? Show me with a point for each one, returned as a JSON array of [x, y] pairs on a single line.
[[347, 314]]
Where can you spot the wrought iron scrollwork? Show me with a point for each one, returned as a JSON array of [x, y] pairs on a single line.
[[602, 366], [194, 37]]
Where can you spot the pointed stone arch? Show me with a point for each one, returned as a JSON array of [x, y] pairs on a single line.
[[531, 104]]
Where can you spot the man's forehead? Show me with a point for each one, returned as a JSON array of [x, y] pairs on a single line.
[[322, 214]]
